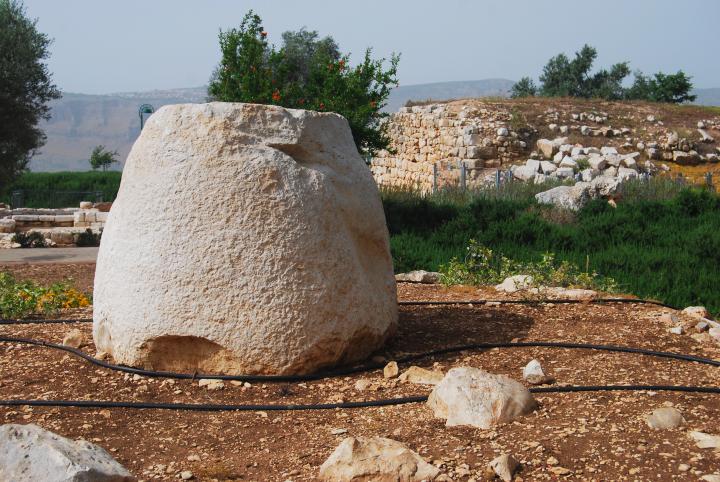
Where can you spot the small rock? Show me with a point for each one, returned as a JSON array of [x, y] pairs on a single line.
[[470, 396], [73, 339], [362, 384], [419, 276], [696, 312], [676, 330], [711, 478], [421, 376], [186, 475], [560, 471], [505, 467], [669, 318], [683, 467], [515, 283], [338, 431], [705, 440], [391, 370], [193, 458], [211, 384], [552, 461], [534, 375], [664, 418], [375, 458], [29, 453]]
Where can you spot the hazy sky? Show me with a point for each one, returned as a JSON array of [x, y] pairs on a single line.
[[104, 46]]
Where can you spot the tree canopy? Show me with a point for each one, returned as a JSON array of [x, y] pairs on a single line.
[[565, 77], [25, 88], [306, 72], [102, 158]]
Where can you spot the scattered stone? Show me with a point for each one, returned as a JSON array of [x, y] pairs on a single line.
[[338, 431], [534, 374], [362, 384], [419, 276], [74, 339], [711, 478], [391, 370], [676, 330], [211, 384], [568, 197], [29, 453], [375, 458], [186, 475], [560, 471], [504, 467], [421, 376], [697, 312], [664, 418], [702, 325], [705, 440], [86, 205], [515, 283], [305, 213], [470, 396]]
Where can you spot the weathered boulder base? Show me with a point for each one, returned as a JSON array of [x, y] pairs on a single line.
[[244, 239]]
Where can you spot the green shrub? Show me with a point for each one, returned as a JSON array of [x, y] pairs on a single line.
[[482, 266], [88, 238], [19, 299], [655, 244], [30, 240]]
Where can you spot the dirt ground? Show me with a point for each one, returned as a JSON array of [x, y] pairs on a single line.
[[595, 435]]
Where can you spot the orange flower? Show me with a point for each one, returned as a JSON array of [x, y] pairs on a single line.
[[263, 33], [373, 104], [276, 96], [322, 105], [301, 101], [341, 64]]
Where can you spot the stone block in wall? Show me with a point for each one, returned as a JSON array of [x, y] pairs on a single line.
[[101, 217], [25, 218], [7, 225], [46, 218]]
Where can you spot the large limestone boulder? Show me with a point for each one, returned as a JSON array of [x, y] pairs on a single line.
[[29, 453], [377, 459], [244, 239], [471, 396]]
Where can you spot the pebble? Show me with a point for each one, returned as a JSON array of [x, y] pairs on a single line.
[[362, 384], [391, 370], [505, 467], [186, 475], [664, 418], [211, 384]]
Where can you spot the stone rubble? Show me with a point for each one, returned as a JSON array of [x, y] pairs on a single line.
[[471, 396], [29, 453], [375, 458]]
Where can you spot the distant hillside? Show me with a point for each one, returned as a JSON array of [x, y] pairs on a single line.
[[80, 122], [448, 90]]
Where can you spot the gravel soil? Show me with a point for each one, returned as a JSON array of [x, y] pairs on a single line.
[[585, 436]]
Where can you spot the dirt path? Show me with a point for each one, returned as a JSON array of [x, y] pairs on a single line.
[[597, 436]]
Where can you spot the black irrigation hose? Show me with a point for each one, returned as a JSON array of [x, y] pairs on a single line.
[[209, 407], [360, 369]]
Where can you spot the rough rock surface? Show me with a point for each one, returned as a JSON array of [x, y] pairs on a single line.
[[504, 467], [421, 376], [29, 453], [419, 276], [568, 197], [244, 239], [512, 284], [377, 459], [664, 418], [470, 396]]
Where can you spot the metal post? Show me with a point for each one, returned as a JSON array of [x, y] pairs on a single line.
[[497, 179], [435, 178], [17, 199], [461, 165], [709, 180]]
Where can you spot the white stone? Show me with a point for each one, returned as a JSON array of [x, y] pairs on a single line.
[[696, 312], [547, 167], [421, 376], [625, 173], [664, 418], [377, 459], [568, 197], [534, 374], [608, 150], [470, 396], [502, 132], [258, 245], [547, 147], [504, 467], [419, 276], [705, 440], [515, 283], [705, 137], [86, 205], [524, 172], [604, 186], [568, 162], [73, 339], [597, 162], [211, 384], [29, 453]]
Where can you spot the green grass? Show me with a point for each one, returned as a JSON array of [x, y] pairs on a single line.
[[63, 189], [660, 242]]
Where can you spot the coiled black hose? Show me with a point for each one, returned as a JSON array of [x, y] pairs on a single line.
[[361, 369]]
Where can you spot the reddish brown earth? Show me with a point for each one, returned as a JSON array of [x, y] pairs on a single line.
[[596, 435]]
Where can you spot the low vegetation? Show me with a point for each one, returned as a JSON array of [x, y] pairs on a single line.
[[20, 299], [62, 189], [662, 241]]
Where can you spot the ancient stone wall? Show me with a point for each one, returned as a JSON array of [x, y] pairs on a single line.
[[446, 136]]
